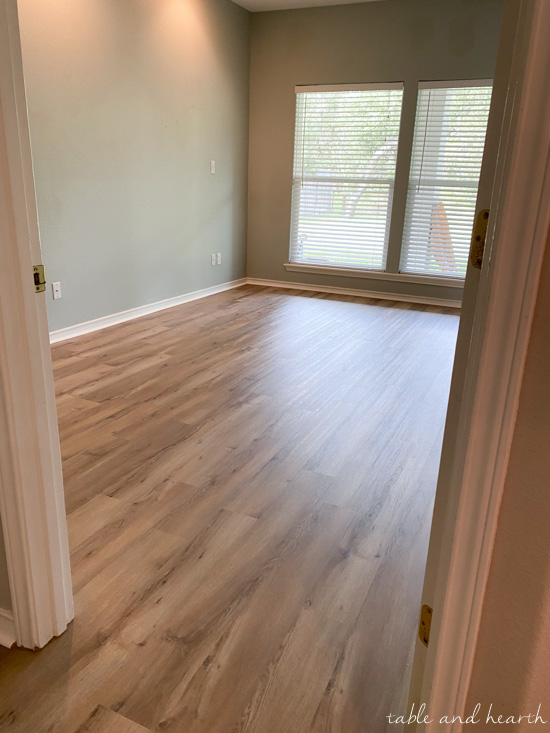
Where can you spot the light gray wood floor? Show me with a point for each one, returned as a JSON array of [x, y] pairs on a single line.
[[249, 485]]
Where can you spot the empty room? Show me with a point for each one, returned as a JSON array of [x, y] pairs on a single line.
[[272, 348]]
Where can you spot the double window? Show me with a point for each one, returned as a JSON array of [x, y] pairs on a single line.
[[345, 157]]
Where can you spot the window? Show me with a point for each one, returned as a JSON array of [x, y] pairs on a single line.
[[449, 137], [344, 167]]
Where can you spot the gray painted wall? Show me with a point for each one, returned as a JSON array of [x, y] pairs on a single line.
[[129, 100], [396, 40], [5, 599]]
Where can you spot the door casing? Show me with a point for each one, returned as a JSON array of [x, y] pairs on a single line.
[[31, 484], [491, 351]]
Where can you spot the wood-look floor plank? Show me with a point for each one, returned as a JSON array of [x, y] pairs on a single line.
[[102, 720], [249, 484]]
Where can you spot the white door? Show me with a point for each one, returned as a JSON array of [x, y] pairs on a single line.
[[31, 485], [491, 347]]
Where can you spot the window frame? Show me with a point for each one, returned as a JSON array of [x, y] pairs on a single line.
[[403, 163], [423, 86], [333, 268]]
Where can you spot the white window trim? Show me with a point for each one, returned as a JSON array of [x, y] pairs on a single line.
[[422, 279], [455, 84], [308, 89], [449, 282]]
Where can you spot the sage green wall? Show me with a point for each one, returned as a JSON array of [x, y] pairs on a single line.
[[129, 100], [396, 40]]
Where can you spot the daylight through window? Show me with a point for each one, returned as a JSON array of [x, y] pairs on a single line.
[[449, 138], [344, 167]]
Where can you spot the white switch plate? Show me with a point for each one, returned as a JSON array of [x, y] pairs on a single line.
[[219, 258], [212, 259], [212, 166], [56, 290]]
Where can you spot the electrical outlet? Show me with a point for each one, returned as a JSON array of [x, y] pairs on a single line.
[[219, 258], [212, 259], [56, 290], [212, 167]]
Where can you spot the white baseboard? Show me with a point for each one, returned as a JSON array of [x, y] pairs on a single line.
[[104, 322], [356, 293], [63, 334], [7, 628]]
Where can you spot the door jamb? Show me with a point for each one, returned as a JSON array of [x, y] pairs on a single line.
[[516, 241], [31, 485]]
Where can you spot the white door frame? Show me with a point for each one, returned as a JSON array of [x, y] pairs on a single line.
[[516, 241], [32, 505]]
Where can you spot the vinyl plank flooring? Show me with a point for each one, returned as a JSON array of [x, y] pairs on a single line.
[[102, 720], [249, 485]]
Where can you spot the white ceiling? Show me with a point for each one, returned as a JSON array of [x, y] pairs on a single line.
[[258, 5]]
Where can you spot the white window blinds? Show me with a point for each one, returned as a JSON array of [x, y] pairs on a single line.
[[344, 168], [449, 137]]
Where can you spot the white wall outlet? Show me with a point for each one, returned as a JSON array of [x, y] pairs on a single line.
[[212, 259], [219, 258], [56, 290], [212, 166]]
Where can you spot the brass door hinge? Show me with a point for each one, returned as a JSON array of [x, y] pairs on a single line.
[[39, 276], [425, 624], [478, 238]]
